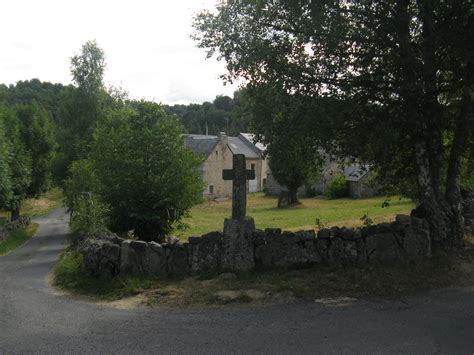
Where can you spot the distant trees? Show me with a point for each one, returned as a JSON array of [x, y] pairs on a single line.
[[224, 114]]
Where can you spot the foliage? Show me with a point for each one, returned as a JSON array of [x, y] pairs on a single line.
[[387, 82], [18, 160], [82, 107], [147, 176], [38, 136], [89, 215], [5, 175], [82, 181], [338, 187], [293, 157], [366, 220]]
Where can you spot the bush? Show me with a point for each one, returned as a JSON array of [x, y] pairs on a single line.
[[89, 215], [338, 187], [147, 175], [82, 181]]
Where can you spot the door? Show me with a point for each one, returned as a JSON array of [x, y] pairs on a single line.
[[253, 184]]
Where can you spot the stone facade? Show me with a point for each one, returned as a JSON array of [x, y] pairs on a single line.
[[217, 153], [361, 184], [10, 227], [405, 240]]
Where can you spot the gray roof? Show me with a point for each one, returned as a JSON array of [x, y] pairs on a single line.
[[355, 172], [201, 144], [204, 145], [249, 138], [237, 146]]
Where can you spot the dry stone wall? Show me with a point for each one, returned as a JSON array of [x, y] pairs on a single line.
[[407, 239]]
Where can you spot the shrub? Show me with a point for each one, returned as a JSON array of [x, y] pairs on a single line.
[[338, 187], [147, 175], [89, 215]]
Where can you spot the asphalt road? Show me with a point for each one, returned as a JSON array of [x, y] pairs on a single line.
[[33, 318]]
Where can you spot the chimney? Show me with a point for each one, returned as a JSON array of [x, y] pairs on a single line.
[[222, 137]]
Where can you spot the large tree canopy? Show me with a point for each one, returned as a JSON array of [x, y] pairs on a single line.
[[390, 82]]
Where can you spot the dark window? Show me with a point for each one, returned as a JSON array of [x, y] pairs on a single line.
[[264, 182], [217, 152], [211, 189], [253, 166]]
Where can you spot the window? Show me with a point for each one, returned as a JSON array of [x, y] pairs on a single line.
[[217, 152], [264, 182], [253, 166], [211, 189]]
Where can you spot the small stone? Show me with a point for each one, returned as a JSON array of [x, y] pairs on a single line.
[[254, 295], [194, 240], [324, 234], [227, 296], [403, 219], [172, 240]]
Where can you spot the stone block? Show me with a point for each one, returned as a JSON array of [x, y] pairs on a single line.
[[416, 244], [206, 253], [133, 256], [336, 251], [101, 258], [179, 260], [155, 260], [237, 245], [383, 247], [324, 233]]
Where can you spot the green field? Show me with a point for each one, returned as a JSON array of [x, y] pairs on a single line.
[[209, 216]]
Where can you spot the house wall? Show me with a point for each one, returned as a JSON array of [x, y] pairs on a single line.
[[211, 172], [364, 188]]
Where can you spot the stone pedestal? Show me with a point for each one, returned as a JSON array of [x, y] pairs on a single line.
[[237, 246]]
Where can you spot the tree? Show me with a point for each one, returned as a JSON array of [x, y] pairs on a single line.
[[37, 134], [389, 82], [293, 157], [19, 163], [82, 107], [5, 175], [148, 177]]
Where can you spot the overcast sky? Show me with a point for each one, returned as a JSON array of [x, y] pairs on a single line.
[[147, 45]]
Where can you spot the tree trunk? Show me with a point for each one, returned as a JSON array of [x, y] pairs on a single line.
[[465, 124], [15, 214], [288, 198], [293, 196], [433, 210]]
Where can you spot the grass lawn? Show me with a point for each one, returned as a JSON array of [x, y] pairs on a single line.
[[38, 206], [18, 238], [209, 216]]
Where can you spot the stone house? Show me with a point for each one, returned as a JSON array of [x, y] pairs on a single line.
[[217, 152], [358, 176]]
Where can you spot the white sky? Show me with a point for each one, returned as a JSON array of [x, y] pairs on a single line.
[[148, 49]]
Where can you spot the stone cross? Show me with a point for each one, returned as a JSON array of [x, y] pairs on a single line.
[[239, 176]]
